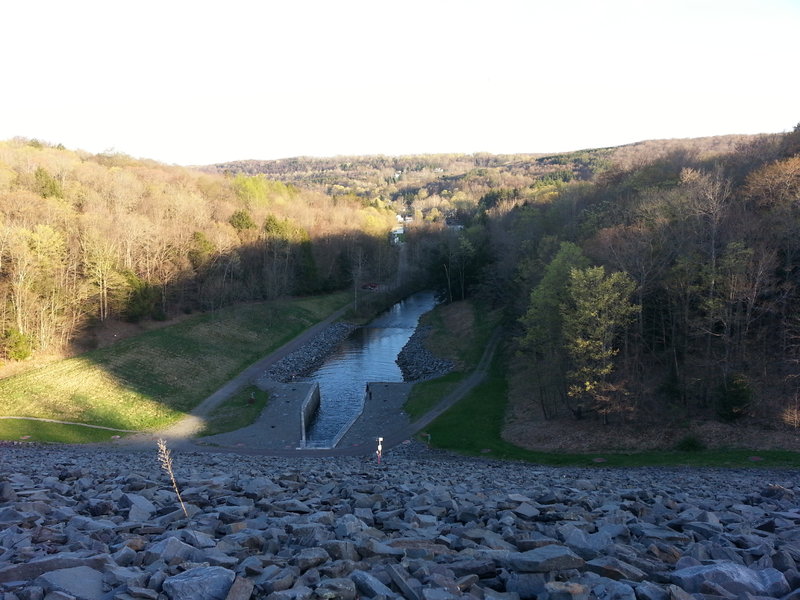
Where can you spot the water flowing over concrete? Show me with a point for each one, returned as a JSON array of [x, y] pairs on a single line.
[[368, 355]]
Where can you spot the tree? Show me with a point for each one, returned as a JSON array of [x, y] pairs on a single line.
[[543, 339], [242, 221], [46, 185], [596, 312]]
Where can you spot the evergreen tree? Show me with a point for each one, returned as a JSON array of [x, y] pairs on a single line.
[[597, 310]]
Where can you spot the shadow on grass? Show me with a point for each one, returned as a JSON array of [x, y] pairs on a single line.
[[150, 381], [41, 431], [238, 411]]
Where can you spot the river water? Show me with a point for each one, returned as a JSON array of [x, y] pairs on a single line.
[[368, 355]]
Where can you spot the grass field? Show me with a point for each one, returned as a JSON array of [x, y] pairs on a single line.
[[151, 380], [460, 332]]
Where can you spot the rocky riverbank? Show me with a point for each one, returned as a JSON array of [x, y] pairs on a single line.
[[95, 524], [416, 362], [303, 361]]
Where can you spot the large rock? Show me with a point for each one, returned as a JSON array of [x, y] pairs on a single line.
[[200, 583], [545, 559], [735, 578], [83, 583], [36, 567]]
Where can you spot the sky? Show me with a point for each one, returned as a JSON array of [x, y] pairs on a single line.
[[198, 82]]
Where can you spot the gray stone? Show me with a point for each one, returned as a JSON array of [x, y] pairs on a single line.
[[34, 568], [172, 549], [368, 584], [7, 493], [311, 557], [336, 589], [733, 577], [139, 507], [565, 590], [408, 586], [610, 567], [340, 549], [141, 592], [200, 583], [241, 589], [609, 589], [83, 583], [650, 591], [545, 559]]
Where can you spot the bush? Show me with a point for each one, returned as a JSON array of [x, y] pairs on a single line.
[[690, 443], [16, 345], [733, 398]]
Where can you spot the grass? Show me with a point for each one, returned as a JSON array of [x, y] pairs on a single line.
[[460, 333], [236, 412], [425, 395], [40, 431], [149, 381]]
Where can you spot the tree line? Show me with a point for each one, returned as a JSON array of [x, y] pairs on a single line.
[[660, 287], [87, 238]]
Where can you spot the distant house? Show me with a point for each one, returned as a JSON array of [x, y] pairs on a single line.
[[396, 235]]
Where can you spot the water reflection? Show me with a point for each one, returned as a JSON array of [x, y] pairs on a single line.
[[367, 355]]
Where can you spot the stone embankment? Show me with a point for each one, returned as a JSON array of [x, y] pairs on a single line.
[[301, 362], [416, 362], [98, 524]]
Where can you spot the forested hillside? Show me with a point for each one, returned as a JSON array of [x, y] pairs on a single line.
[[649, 280], [90, 238]]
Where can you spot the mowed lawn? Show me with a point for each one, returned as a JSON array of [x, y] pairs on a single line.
[[151, 380]]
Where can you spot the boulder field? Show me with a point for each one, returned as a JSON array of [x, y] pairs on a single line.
[[96, 524]]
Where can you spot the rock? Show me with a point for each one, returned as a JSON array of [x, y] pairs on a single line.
[[369, 585], [241, 589], [172, 549], [7, 493], [610, 567], [200, 583], [83, 583], [426, 526], [311, 557], [545, 559], [564, 590], [36, 567], [336, 589], [735, 578], [139, 507]]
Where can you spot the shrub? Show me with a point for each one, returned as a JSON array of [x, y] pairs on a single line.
[[733, 398], [17, 345], [690, 443]]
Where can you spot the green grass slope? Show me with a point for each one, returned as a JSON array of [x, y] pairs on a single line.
[[151, 380]]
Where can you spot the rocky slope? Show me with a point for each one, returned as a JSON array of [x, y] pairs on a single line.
[[93, 524]]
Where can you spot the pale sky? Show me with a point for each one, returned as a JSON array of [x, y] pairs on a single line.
[[196, 82]]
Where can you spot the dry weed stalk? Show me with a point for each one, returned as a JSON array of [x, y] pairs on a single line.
[[166, 463]]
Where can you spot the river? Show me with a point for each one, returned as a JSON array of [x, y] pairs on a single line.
[[367, 355]]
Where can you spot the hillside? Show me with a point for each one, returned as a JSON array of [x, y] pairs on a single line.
[[453, 182], [91, 239]]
